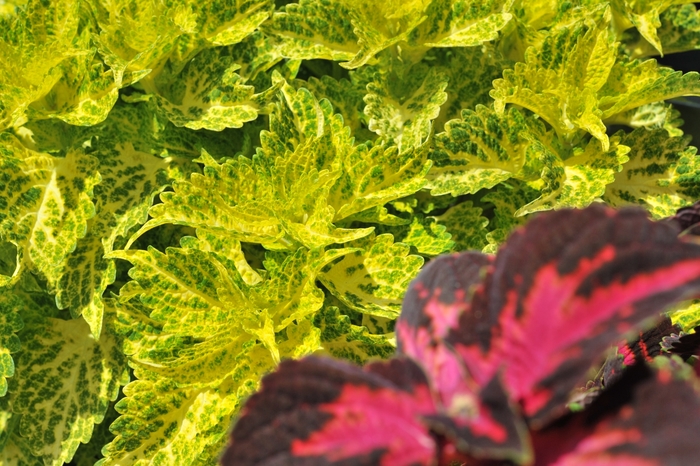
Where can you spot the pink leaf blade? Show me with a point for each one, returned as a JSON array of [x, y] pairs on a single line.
[[324, 412]]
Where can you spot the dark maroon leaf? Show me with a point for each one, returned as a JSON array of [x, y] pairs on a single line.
[[683, 344], [644, 348], [687, 217], [319, 411], [647, 418], [561, 291]]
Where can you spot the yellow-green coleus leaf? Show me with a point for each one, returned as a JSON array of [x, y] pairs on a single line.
[[686, 314], [136, 40], [650, 116], [466, 226], [461, 23], [466, 90], [307, 176], [49, 69], [662, 175], [10, 323], [313, 29], [373, 280], [342, 339], [574, 177], [131, 175], [643, 15], [208, 93], [65, 382], [199, 339], [47, 204], [679, 32], [14, 449], [482, 149], [633, 83], [507, 199], [402, 102], [560, 78]]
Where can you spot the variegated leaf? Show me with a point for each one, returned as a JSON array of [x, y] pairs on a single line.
[[65, 381], [374, 280], [461, 23], [575, 178], [402, 103], [342, 339], [481, 150], [560, 78], [313, 29], [48, 205], [657, 162]]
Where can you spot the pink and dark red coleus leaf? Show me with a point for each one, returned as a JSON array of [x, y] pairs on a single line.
[[560, 292], [320, 411], [646, 418]]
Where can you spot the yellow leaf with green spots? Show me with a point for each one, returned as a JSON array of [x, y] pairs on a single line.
[[686, 314], [341, 339], [506, 198], [402, 102], [651, 116], [158, 32], [482, 149], [633, 83], [643, 15], [34, 44], [10, 324], [373, 280], [662, 175], [315, 29], [561, 77], [461, 23], [466, 225], [208, 93], [47, 205], [130, 178], [466, 90], [679, 31], [65, 382], [575, 177]]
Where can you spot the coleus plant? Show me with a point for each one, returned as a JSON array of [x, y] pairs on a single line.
[[489, 352], [276, 173]]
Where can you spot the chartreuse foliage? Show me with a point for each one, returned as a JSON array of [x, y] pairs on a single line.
[[203, 189]]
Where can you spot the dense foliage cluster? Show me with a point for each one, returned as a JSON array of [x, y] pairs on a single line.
[[489, 353], [193, 191]]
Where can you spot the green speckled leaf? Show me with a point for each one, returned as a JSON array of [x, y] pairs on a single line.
[[462, 23], [644, 15], [312, 29], [480, 150], [65, 381], [47, 204], [130, 178], [10, 323], [575, 178], [33, 44], [662, 175], [687, 315], [650, 116], [373, 175], [373, 281], [402, 103], [466, 90], [347, 98], [466, 225], [560, 78], [507, 198], [209, 94], [634, 83], [679, 32], [341, 339], [158, 32], [428, 236]]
